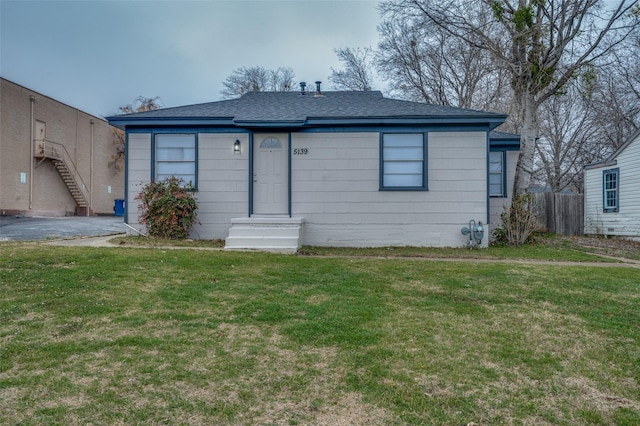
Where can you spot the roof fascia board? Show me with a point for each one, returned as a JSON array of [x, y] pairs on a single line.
[[186, 129], [487, 123], [509, 144], [121, 123], [606, 163], [269, 124], [493, 121]]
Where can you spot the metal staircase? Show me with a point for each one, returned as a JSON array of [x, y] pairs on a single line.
[[59, 156]]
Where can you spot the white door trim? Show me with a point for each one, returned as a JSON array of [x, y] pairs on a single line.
[[271, 174]]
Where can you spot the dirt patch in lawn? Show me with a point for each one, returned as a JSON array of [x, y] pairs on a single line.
[[610, 247]]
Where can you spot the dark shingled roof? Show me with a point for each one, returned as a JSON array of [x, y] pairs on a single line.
[[295, 109], [503, 136]]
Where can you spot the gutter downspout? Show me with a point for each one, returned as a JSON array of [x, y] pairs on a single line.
[[91, 171], [32, 100], [488, 222]]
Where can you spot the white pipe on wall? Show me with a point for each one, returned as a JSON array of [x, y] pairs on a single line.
[[32, 100], [91, 171]]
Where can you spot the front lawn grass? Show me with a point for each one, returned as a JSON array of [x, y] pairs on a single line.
[[548, 248], [129, 336]]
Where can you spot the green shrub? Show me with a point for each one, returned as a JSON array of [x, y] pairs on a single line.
[[168, 208]]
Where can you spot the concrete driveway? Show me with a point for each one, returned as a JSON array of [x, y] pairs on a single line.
[[14, 228]]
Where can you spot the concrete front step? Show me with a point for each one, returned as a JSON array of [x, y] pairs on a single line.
[[261, 243], [251, 232], [281, 234]]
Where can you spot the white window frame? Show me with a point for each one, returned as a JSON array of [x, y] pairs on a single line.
[[611, 195]]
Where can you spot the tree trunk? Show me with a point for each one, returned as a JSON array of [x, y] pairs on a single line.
[[528, 135]]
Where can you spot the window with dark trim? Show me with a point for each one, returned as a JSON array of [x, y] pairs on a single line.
[[497, 174], [611, 190], [175, 155], [403, 160]]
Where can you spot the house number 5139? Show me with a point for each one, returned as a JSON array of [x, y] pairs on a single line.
[[300, 151]]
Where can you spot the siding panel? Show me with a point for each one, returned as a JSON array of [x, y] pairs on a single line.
[[342, 205], [222, 183], [335, 188], [139, 173]]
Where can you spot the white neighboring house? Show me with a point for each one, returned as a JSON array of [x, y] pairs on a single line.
[[612, 192], [277, 170]]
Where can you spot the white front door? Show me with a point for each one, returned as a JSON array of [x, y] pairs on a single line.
[[39, 136], [270, 174], [41, 130]]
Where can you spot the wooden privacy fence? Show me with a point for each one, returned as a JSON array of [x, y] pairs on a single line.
[[560, 213]]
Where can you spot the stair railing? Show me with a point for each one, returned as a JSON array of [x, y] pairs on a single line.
[[57, 151]]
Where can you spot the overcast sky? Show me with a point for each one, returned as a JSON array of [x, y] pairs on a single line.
[[98, 55]]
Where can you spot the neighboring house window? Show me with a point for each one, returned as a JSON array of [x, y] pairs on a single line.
[[176, 156], [497, 174], [611, 193], [403, 161]]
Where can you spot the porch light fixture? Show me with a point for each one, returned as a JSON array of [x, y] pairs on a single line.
[[236, 147]]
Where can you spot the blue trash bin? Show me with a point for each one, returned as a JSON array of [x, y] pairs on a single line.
[[118, 208]]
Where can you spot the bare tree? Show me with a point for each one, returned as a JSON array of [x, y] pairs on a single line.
[[586, 122], [424, 63], [257, 79], [281, 80], [140, 104], [357, 71], [617, 99], [542, 45], [568, 135]]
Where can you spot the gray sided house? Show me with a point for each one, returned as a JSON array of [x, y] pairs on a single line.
[[277, 170], [612, 192]]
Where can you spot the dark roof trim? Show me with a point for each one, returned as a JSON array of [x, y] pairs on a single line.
[[269, 124], [504, 140], [122, 122], [492, 120]]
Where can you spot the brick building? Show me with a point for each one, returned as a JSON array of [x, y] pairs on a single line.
[[54, 159]]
